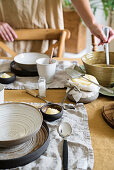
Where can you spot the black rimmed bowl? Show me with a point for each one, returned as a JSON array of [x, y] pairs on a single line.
[[51, 117], [9, 80]]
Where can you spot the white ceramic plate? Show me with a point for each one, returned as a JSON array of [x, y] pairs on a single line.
[[27, 61], [18, 123]]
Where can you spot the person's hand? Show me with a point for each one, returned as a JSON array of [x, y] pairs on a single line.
[[6, 32], [97, 30]]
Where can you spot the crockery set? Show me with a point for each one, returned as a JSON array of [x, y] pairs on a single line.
[[24, 136]]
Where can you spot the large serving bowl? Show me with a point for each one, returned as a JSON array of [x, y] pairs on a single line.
[[19, 122], [27, 61], [104, 75]]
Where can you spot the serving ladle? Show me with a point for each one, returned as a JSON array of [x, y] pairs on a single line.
[[64, 131]]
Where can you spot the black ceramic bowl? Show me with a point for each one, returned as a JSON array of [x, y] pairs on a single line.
[[8, 80], [51, 117]]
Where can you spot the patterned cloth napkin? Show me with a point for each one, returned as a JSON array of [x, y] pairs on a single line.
[[79, 144], [32, 82]]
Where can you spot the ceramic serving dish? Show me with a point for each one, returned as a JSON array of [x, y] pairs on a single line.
[[27, 61], [27, 152], [8, 80], [51, 117], [94, 64], [18, 123]]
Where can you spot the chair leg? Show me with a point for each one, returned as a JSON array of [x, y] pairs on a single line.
[[61, 46], [7, 49]]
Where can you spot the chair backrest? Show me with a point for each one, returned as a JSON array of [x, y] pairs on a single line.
[[41, 34]]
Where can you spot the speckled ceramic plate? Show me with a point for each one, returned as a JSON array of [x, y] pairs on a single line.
[[18, 123], [27, 152]]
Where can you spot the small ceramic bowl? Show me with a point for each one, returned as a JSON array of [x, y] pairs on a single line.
[[19, 122], [93, 65], [9, 80], [51, 117]]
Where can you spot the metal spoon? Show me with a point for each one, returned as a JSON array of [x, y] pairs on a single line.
[[64, 131], [76, 74]]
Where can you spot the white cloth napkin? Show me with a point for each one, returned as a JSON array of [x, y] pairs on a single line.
[[32, 82], [79, 144]]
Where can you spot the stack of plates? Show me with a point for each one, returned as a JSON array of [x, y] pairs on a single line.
[[23, 134], [24, 64]]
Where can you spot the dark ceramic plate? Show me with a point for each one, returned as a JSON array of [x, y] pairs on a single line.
[[8, 80], [21, 72], [51, 117], [25, 153]]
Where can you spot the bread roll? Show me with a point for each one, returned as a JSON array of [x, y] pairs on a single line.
[[85, 85], [91, 97]]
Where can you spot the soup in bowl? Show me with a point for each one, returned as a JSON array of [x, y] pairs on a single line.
[[95, 64]]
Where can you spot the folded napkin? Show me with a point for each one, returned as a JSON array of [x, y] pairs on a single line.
[[32, 82], [79, 144]]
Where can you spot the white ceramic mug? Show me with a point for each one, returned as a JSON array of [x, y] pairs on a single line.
[[45, 69], [1, 94]]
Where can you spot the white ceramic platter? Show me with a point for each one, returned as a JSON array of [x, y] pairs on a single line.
[[18, 123], [27, 61]]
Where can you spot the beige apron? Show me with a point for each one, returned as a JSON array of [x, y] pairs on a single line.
[[31, 14]]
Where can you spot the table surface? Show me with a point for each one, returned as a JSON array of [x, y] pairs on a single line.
[[102, 136]]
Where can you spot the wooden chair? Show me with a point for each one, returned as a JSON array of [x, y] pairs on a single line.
[[41, 34]]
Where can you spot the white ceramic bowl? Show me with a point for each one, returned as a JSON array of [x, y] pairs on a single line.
[[27, 61], [18, 123]]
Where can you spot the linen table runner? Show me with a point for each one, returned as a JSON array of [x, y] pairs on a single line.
[[79, 143], [32, 82]]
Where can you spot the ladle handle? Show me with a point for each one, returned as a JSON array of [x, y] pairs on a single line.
[[65, 155], [106, 31]]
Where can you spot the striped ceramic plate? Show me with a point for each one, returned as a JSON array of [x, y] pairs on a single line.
[[18, 123]]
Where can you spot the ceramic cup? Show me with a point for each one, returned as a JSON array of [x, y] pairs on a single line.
[[1, 93], [45, 69]]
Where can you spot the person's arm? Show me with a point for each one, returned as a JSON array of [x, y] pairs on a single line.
[[6, 32], [84, 10]]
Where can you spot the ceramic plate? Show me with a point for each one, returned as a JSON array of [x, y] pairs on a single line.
[[21, 72], [18, 123], [27, 61], [27, 152]]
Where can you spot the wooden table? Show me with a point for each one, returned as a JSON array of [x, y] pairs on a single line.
[[102, 136]]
